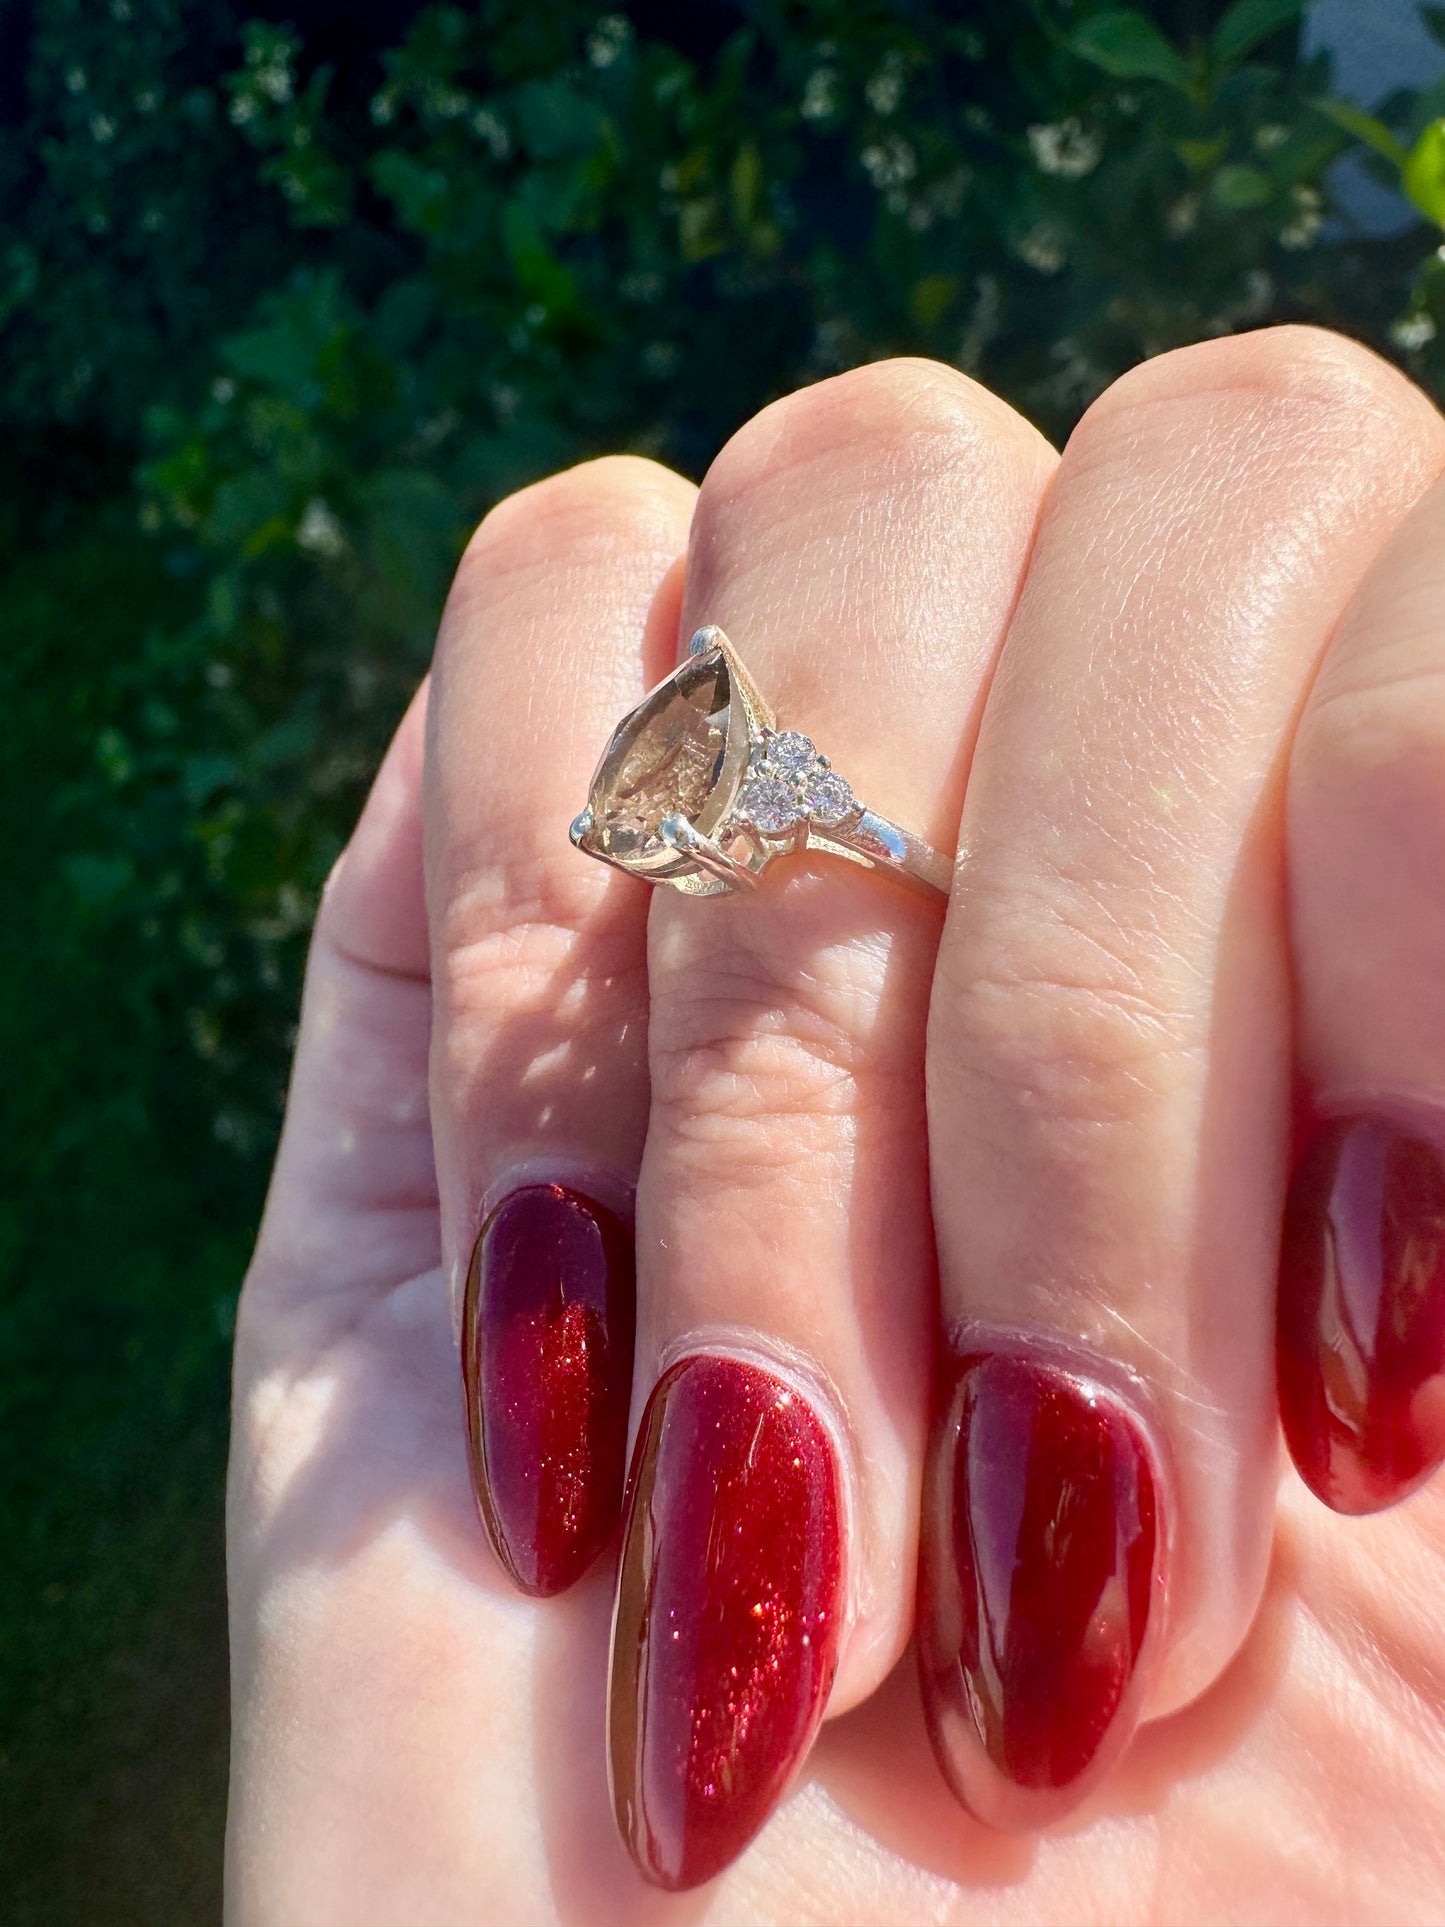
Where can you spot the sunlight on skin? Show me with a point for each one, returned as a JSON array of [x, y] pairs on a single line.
[[414, 1740]]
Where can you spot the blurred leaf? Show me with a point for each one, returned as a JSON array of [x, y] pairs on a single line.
[[1199, 156], [1240, 186], [99, 879], [19, 278], [539, 271], [1131, 47], [931, 297], [1424, 175], [1363, 127], [554, 121], [1246, 23], [745, 184], [418, 193]]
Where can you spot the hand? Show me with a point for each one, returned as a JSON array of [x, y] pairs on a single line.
[[1179, 699]]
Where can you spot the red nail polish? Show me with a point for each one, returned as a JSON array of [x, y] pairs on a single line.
[[1040, 1575], [1362, 1314], [547, 1327], [726, 1634]]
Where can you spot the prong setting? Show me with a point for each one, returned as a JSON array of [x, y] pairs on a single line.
[[680, 835]]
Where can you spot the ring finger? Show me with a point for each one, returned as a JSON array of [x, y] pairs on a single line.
[[862, 544]]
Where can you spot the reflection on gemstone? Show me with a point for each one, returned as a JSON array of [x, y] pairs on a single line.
[[769, 803], [669, 755], [790, 753], [827, 798]]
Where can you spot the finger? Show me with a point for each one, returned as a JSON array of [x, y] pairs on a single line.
[[1109, 1056], [564, 608], [862, 543], [1362, 1277], [351, 1206]]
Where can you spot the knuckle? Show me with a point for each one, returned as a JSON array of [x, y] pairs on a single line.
[[740, 1056], [1057, 1015], [519, 939], [1380, 742], [1287, 368], [890, 417], [567, 516]]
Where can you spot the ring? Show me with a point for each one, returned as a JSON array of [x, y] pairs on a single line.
[[699, 789]]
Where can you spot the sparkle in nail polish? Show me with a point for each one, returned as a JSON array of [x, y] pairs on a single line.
[[546, 1361], [727, 1621]]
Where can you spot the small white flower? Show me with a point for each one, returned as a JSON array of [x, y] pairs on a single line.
[[1309, 218], [1066, 148], [1414, 331], [1043, 249], [885, 88], [1182, 216], [820, 94], [889, 163], [319, 531], [488, 127], [608, 39]]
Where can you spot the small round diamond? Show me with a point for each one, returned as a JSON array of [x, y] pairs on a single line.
[[769, 804], [790, 753], [826, 797]]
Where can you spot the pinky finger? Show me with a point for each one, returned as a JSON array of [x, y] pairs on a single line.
[[1362, 1276]]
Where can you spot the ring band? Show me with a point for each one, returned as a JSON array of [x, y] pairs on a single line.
[[699, 789]]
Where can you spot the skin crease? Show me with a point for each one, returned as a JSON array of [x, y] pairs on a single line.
[[416, 1741]]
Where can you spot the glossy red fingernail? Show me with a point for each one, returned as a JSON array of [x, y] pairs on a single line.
[[1362, 1314], [728, 1614], [1040, 1577], [547, 1326]]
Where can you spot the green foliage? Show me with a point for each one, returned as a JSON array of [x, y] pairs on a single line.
[[277, 329], [533, 237], [1423, 174]]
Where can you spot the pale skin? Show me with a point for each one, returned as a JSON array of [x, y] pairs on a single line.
[[1179, 695]]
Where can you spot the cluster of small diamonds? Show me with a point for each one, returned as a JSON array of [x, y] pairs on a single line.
[[788, 783]]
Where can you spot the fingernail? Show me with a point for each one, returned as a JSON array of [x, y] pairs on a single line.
[[1362, 1314], [728, 1616], [1040, 1576], [547, 1326]]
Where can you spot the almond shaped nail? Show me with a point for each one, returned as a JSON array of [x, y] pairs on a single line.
[[725, 1639], [1361, 1348], [547, 1334], [1040, 1575]]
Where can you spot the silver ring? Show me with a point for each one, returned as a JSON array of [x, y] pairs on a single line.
[[699, 789]]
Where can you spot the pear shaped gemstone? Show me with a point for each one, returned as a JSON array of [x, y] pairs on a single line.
[[680, 750]]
